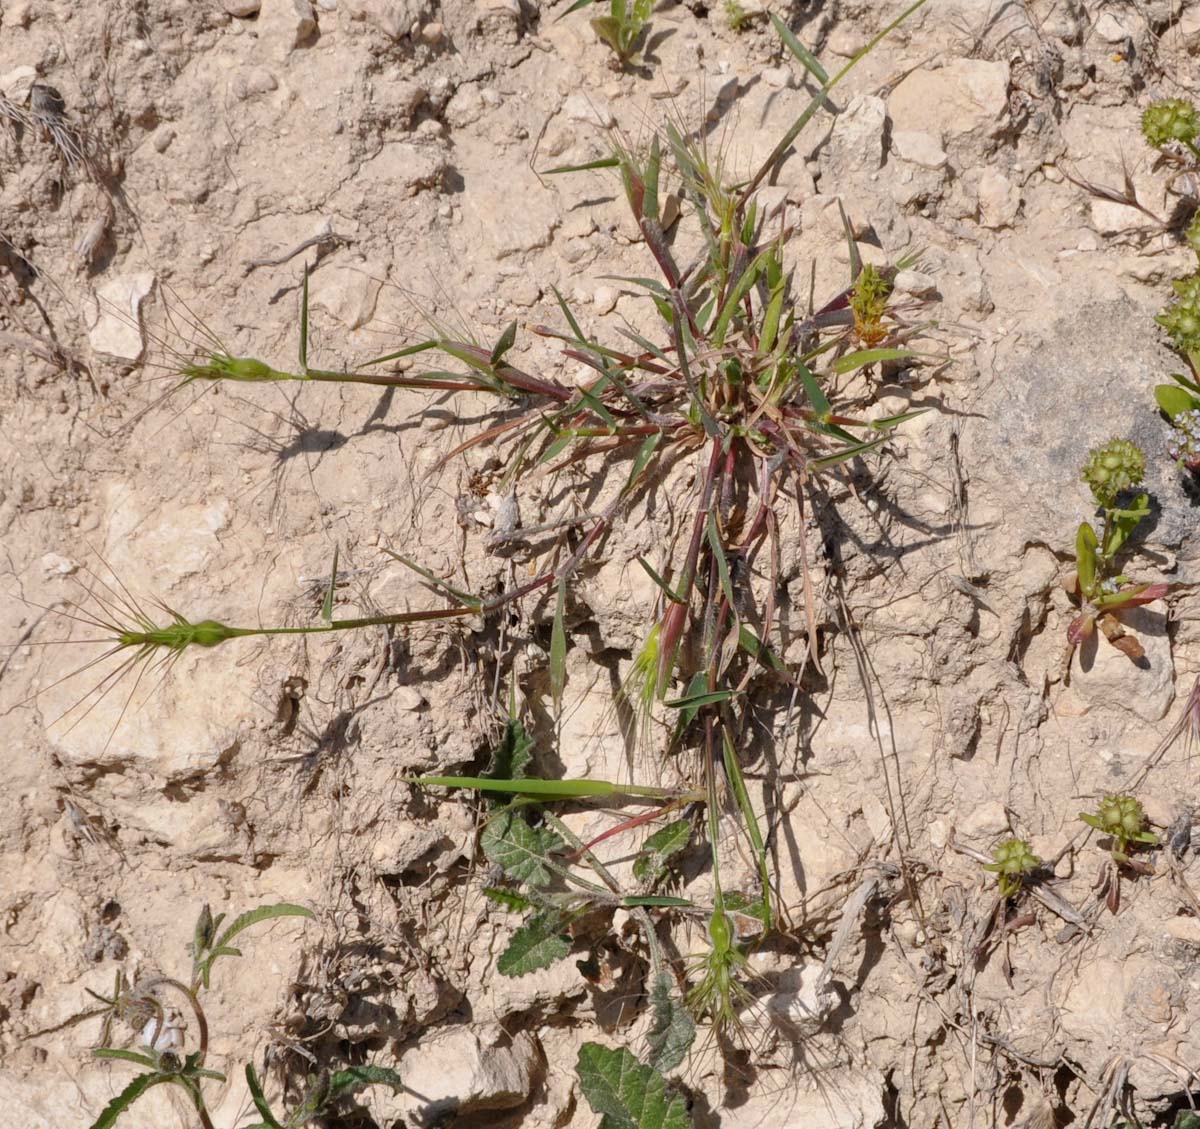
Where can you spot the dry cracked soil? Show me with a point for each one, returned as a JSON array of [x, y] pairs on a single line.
[[400, 144]]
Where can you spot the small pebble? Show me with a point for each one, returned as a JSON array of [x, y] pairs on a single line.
[[243, 9], [163, 136], [433, 33], [605, 299]]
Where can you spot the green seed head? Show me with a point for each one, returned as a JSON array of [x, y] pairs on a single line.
[[1012, 862], [221, 366], [1192, 235], [1118, 465], [1182, 321], [719, 931], [1172, 119], [1121, 815], [1183, 444]]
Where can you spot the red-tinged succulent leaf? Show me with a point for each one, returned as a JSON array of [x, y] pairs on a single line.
[[1081, 628], [1114, 896], [1134, 597]]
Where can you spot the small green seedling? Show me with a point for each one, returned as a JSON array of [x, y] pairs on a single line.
[[1172, 122], [1111, 471], [622, 28], [165, 1058], [1123, 819], [1013, 864]]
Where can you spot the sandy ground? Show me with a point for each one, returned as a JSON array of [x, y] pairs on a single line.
[[401, 139]]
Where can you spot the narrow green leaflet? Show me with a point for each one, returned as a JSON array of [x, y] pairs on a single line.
[[671, 1030], [651, 862], [602, 163], [864, 357], [538, 944], [507, 340], [259, 1099], [126, 1098], [518, 849], [356, 1077], [627, 1094], [509, 899], [327, 606], [806, 57], [558, 646]]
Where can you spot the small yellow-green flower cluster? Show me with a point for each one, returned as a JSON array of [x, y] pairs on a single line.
[[1181, 319], [1118, 465], [1172, 119], [1012, 862]]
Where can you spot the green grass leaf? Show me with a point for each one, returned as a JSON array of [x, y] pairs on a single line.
[[602, 163], [807, 59], [538, 944], [304, 323], [327, 605], [507, 340], [696, 701], [558, 646], [518, 849], [671, 1030], [651, 862], [627, 1094], [864, 357]]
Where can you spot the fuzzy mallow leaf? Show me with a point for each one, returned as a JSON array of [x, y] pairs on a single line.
[[625, 1093], [518, 849], [538, 944], [671, 1030], [651, 862]]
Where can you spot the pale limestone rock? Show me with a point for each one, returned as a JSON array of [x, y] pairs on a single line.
[[15, 84], [114, 316], [242, 9], [254, 81], [1103, 675], [287, 24], [859, 134], [1110, 218], [458, 1071], [350, 292], [965, 97], [1111, 29], [395, 18], [919, 148], [586, 110], [915, 283], [402, 168], [985, 821], [605, 299], [999, 200]]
